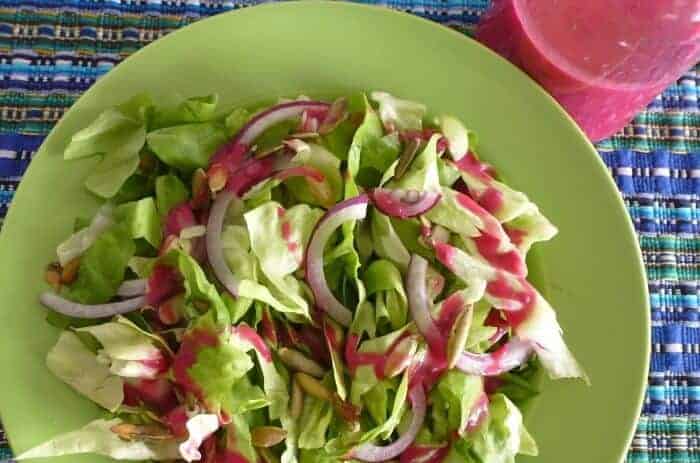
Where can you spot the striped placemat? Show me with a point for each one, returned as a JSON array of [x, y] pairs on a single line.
[[51, 51]]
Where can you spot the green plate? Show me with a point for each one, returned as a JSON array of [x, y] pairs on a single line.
[[593, 270]]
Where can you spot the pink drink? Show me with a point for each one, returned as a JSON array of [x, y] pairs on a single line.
[[602, 60]]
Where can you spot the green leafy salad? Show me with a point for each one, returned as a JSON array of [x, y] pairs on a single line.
[[308, 281]]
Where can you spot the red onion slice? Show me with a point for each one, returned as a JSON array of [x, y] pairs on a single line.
[[419, 303], [404, 203], [507, 357], [73, 309], [373, 453], [274, 115], [215, 249], [131, 288], [350, 209]]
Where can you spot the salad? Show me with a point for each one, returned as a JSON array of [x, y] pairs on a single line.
[[307, 281]]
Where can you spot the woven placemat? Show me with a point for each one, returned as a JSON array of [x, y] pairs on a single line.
[[52, 51]]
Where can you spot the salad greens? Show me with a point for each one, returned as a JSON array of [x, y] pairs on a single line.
[[306, 281]]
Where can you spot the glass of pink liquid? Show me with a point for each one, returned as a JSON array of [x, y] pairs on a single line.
[[602, 60]]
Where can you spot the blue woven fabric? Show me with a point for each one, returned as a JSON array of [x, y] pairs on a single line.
[[52, 51]]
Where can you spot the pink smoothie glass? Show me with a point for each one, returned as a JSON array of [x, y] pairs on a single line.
[[603, 60]]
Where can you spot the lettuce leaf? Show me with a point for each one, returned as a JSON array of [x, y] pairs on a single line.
[[387, 427], [198, 287], [449, 213], [422, 174], [80, 241], [530, 228], [118, 134], [215, 371], [458, 393], [77, 366], [365, 377], [170, 191], [142, 220], [236, 244], [278, 236], [193, 109], [334, 333], [97, 437], [383, 280], [365, 136], [108, 176], [387, 243], [247, 397], [315, 418], [238, 440], [274, 382], [447, 172], [379, 153], [540, 325], [456, 134], [259, 292], [128, 350], [480, 332], [142, 266], [398, 114], [514, 204], [376, 400], [275, 385], [235, 121], [102, 267], [186, 147], [329, 165], [504, 436]]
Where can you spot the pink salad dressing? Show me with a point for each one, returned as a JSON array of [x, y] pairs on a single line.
[[490, 198], [603, 61], [354, 358], [249, 335], [164, 282], [424, 454], [186, 357]]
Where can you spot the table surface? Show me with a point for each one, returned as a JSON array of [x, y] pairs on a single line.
[[51, 51]]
